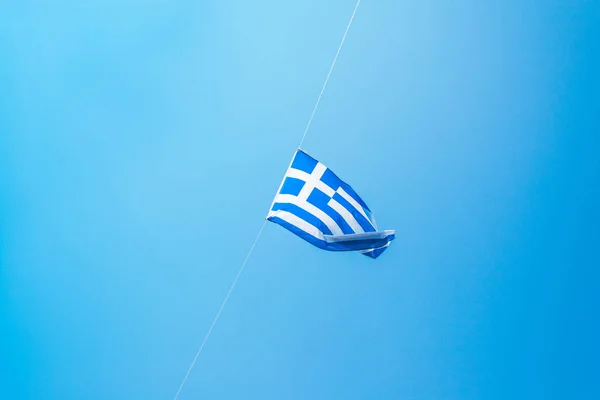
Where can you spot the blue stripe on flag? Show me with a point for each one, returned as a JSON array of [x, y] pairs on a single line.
[[299, 232], [355, 196], [320, 200], [362, 221]]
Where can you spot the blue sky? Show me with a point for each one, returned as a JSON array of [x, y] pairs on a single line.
[[141, 144]]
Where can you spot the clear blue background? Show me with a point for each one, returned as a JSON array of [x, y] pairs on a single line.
[[141, 143]]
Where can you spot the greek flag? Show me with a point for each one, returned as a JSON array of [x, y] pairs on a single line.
[[313, 203]]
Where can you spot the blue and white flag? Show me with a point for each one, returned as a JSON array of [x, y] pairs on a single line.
[[313, 203]]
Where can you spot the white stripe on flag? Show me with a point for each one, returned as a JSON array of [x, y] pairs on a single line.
[[306, 206], [298, 223]]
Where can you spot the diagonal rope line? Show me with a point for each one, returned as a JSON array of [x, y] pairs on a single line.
[[220, 311], [314, 111], [265, 222]]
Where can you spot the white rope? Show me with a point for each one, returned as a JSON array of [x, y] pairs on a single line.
[[265, 222], [329, 74], [220, 310]]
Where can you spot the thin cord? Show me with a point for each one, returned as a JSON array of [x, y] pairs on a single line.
[[220, 310], [265, 222], [329, 74]]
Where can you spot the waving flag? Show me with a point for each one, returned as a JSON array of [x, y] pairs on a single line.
[[313, 203]]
